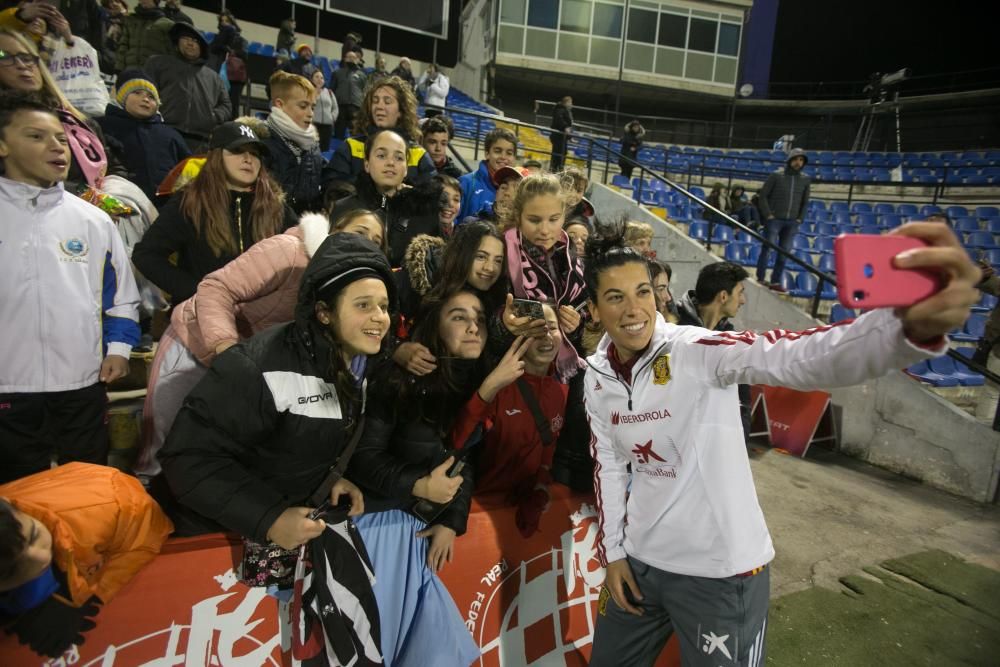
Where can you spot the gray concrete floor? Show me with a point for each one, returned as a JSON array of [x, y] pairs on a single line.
[[830, 515]]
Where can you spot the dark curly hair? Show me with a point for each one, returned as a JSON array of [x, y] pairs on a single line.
[[606, 249]]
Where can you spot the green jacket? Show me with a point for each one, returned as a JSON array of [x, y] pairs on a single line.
[[145, 33]]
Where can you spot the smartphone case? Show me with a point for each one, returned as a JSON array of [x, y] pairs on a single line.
[[866, 277]]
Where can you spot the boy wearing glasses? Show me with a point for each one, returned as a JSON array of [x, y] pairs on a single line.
[[67, 297]]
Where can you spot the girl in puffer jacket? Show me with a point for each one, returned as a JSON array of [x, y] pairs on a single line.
[[253, 292], [403, 463]]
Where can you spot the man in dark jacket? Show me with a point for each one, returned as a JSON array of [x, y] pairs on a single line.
[[194, 99], [782, 202], [144, 33], [562, 124], [717, 297], [348, 86], [286, 36]]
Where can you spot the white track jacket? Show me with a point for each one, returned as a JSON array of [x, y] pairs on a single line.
[[692, 508], [67, 290]]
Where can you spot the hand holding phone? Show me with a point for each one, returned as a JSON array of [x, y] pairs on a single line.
[[868, 278], [528, 308]]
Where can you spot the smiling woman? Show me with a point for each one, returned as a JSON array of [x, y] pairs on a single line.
[[232, 204], [273, 418]]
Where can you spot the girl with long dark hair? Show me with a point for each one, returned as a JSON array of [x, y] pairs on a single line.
[[232, 204]]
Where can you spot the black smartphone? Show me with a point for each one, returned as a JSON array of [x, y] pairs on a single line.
[[528, 308]]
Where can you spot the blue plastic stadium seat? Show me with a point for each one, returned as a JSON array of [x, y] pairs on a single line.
[[922, 372], [861, 207], [883, 209], [973, 330], [890, 221], [735, 252], [254, 48], [801, 242], [981, 239], [967, 352], [907, 209], [928, 209], [842, 218], [987, 211], [722, 234], [823, 244], [697, 192], [863, 219], [803, 256], [956, 211], [821, 229], [267, 51], [698, 230], [840, 206], [827, 264], [619, 180], [870, 229], [839, 313], [966, 224], [805, 285], [947, 367], [993, 256]]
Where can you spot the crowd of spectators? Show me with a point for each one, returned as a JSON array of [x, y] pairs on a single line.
[[361, 343]]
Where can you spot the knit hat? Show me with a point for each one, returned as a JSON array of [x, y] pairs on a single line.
[[505, 173], [133, 80], [303, 45]]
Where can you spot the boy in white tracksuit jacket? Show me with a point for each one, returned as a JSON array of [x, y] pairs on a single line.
[[68, 301], [680, 529]]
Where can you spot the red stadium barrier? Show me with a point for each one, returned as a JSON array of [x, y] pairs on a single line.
[[525, 601]]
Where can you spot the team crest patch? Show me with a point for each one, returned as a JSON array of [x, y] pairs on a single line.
[[74, 247], [602, 601], [661, 369]]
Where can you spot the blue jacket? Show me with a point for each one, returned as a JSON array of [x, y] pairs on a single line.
[[300, 177], [478, 191], [150, 147]]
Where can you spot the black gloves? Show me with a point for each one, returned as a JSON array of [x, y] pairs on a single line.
[[53, 626]]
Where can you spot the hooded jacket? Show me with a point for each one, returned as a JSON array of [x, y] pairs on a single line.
[[348, 161], [67, 292], [145, 33], [478, 191], [260, 431], [194, 100], [416, 277], [255, 291], [104, 525], [150, 148], [692, 508], [174, 233], [785, 194], [412, 212], [631, 143]]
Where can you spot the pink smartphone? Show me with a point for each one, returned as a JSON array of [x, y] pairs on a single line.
[[866, 277]]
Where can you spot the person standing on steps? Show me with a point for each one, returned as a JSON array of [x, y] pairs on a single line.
[[783, 202], [562, 125]]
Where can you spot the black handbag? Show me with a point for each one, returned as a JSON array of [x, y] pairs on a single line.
[[271, 565]]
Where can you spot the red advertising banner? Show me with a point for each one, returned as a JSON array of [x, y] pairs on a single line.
[[794, 418], [526, 601]]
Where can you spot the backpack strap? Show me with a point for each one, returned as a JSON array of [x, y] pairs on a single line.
[[541, 423]]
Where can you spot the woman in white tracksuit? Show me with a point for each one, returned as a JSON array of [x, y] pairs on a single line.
[[686, 546]]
